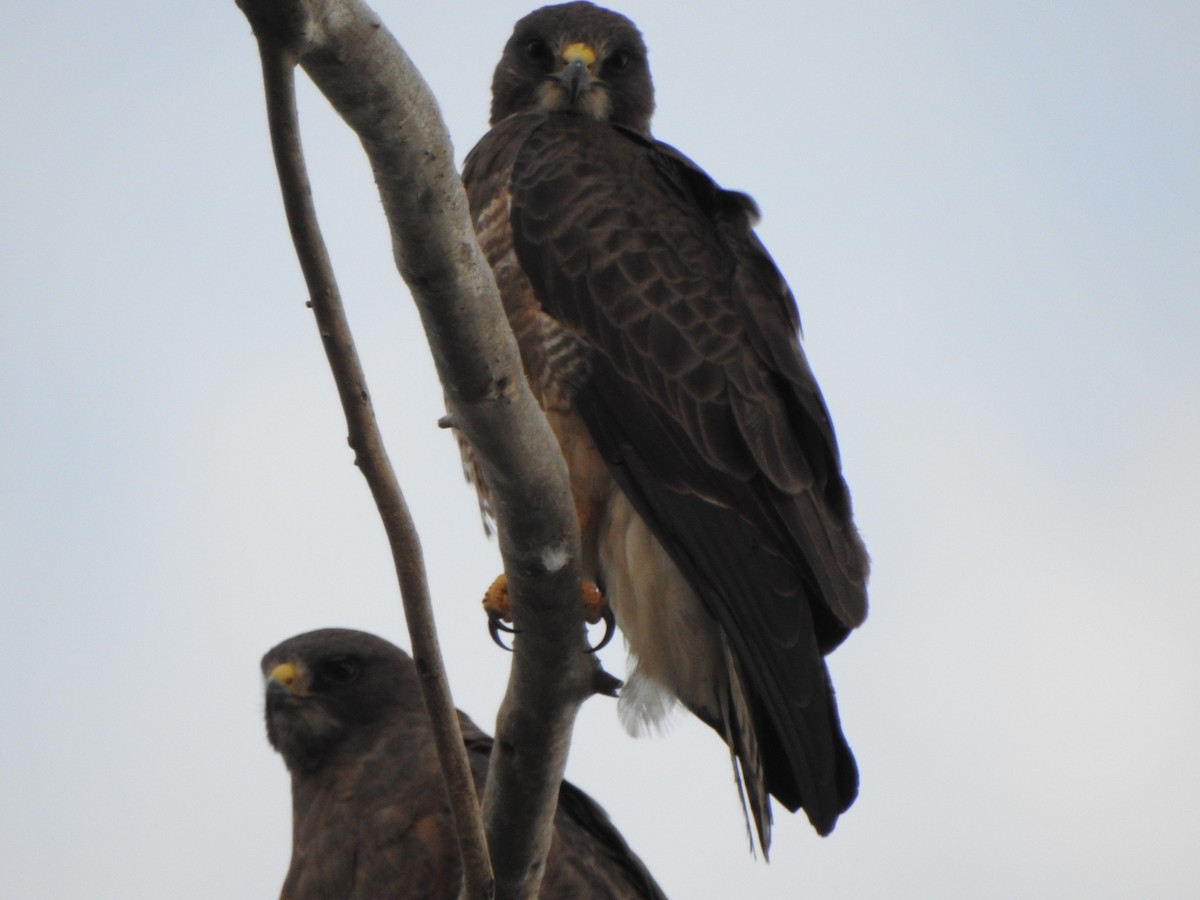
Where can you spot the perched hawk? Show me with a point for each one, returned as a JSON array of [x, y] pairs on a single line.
[[370, 814], [662, 343]]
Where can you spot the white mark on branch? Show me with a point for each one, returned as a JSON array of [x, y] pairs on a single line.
[[554, 558]]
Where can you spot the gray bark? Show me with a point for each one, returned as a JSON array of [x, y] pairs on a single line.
[[370, 81]]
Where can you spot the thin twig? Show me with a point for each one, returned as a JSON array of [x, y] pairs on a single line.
[[371, 457], [374, 86]]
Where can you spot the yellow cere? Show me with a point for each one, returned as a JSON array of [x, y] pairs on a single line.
[[284, 673], [580, 51]]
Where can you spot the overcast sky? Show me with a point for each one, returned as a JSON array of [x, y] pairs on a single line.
[[990, 214]]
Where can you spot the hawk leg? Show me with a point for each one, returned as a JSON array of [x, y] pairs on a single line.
[[499, 611]]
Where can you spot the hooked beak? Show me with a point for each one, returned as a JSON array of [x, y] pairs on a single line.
[[286, 683], [575, 80]]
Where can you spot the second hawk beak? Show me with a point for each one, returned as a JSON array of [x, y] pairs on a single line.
[[286, 678]]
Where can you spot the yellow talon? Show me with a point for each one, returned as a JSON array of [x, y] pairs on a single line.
[[499, 610]]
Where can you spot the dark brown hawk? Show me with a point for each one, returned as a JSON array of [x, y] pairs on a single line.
[[370, 814], [662, 342]]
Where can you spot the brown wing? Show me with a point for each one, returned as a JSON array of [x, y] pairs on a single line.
[[700, 399], [588, 856]]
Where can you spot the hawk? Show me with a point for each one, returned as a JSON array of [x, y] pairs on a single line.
[[663, 345], [370, 814]]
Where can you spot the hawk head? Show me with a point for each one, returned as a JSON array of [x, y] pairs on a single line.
[[331, 687], [578, 59]]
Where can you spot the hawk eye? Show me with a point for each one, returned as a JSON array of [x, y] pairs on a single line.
[[617, 63], [342, 670], [538, 52]]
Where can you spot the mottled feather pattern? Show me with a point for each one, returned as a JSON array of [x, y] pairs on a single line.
[[555, 359], [684, 393], [723, 531], [712, 341]]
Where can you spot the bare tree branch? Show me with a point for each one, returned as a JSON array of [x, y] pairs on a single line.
[[372, 459], [373, 85]]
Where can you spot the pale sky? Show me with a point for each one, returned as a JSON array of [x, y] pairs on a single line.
[[990, 215]]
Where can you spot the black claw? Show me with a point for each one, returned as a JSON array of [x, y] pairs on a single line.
[[495, 626], [610, 624]]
